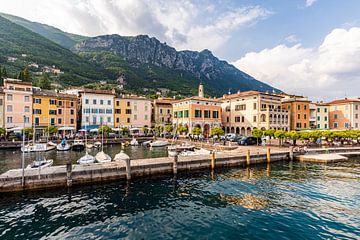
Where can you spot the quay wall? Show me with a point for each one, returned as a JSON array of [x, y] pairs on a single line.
[[58, 176]]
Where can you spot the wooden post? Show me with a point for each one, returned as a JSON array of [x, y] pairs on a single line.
[[213, 160], [248, 157], [291, 154], [175, 164], [69, 173], [268, 155], [128, 169]]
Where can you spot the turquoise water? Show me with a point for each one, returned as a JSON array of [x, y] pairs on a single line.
[[281, 201]]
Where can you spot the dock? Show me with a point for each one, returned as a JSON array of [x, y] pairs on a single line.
[[72, 175]]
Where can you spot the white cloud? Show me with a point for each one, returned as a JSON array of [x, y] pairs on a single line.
[[308, 3], [329, 71], [184, 24], [292, 39]]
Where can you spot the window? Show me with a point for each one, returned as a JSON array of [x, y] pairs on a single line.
[[227, 119], [356, 125], [59, 120], [109, 111], [27, 109], [101, 120], [94, 120], [237, 119], [146, 117], [128, 111], [356, 116], [198, 113], [72, 121], [325, 109], [37, 100], [109, 119], [305, 107], [117, 103], [318, 126], [94, 101], [186, 113], [60, 103], [240, 107], [52, 102], [52, 112], [346, 125], [118, 111], [298, 107], [318, 118], [298, 125], [146, 107], [59, 111], [109, 102], [128, 104], [9, 119], [206, 113], [325, 126], [9, 108], [117, 120], [135, 108], [128, 120], [254, 106], [135, 117], [215, 114], [180, 114], [101, 102], [335, 116], [37, 111], [9, 97], [335, 125], [298, 116], [175, 114], [72, 104], [304, 125], [242, 119], [71, 111], [160, 110], [26, 99], [27, 119], [52, 121], [227, 109], [87, 119], [304, 116], [254, 119], [168, 111], [318, 110], [37, 121]]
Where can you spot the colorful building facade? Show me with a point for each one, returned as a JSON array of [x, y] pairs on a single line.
[[344, 114], [162, 111], [2, 107], [299, 108], [17, 103]]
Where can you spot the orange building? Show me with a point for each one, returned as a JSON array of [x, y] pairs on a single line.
[[299, 108], [197, 111], [344, 114]]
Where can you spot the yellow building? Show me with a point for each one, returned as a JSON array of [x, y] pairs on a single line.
[[51, 108]]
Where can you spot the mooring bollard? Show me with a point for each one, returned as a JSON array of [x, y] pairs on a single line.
[[248, 157], [175, 162], [128, 169], [68, 174], [212, 160], [268, 155], [291, 154]]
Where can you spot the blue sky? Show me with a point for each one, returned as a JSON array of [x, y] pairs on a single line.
[[309, 47]]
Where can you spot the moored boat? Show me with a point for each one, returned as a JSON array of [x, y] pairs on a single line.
[[43, 163], [63, 146], [159, 143], [86, 159], [134, 142], [102, 157], [37, 147], [78, 145]]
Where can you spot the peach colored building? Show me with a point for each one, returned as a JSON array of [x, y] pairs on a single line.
[[344, 114], [197, 111], [299, 108], [162, 111], [17, 103]]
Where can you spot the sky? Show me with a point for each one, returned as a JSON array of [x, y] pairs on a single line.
[[305, 47]]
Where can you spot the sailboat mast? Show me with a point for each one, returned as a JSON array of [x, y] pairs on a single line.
[[85, 128]]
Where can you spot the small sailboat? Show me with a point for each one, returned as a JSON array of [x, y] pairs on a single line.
[[86, 159], [102, 157], [63, 146], [134, 142], [78, 145], [40, 164], [121, 156]]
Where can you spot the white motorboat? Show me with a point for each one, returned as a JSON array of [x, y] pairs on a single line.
[[86, 159], [102, 157], [182, 147], [37, 147], [146, 143], [159, 143], [40, 164], [78, 145], [196, 152], [63, 146], [134, 142], [97, 144], [52, 143]]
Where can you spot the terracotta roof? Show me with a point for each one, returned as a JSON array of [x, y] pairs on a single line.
[[164, 101], [16, 81], [135, 97], [240, 94], [343, 101], [50, 93], [96, 91], [197, 99]]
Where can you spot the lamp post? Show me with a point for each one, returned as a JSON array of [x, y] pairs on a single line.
[[23, 156]]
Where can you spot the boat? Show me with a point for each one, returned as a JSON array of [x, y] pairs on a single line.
[[196, 152], [146, 143], [89, 146], [97, 144], [52, 143], [86, 159], [102, 157], [134, 142], [43, 163], [37, 147], [63, 146], [121, 156], [182, 147], [159, 143], [78, 145]]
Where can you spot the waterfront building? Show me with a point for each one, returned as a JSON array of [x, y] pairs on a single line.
[[344, 114], [51, 108], [322, 116], [17, 103], [299, 108], [244, 111], [197, 111], [96, 107], [132, 111], [2, 108], [162, 111]]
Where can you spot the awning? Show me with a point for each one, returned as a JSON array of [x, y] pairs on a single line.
[[90, 127], [15, 129], [116, 129], [94, 130], [66, 129]]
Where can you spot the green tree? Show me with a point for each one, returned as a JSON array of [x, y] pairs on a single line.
[[293, 135], [196, 131], [105, 129], [125, 130], [2, 131], [28, 132], [145, 130], [0, 72], [26, 75], [217, 131], [280, 134], [270, 132], [168, 128], [51, 129], [182, 129], [4, 73], [257, 133], [20, 75], [44, 82]]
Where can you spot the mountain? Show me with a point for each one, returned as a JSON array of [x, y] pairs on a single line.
[[148, 63], [67, 40], [28, 47]]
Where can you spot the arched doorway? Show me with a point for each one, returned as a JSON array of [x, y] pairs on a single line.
[[206, 131], [232, 130], [228, 130], [237, 130], [243, 131], [248, 131]]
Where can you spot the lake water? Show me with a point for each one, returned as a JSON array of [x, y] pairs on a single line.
[[10, 159], [283, 201]]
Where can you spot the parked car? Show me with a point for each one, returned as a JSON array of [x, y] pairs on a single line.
[[249, 141], [232, 137]]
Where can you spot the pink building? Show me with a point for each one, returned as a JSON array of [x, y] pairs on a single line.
[[17, 103]]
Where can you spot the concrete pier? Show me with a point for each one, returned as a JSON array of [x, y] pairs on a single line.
[[58, 176]]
